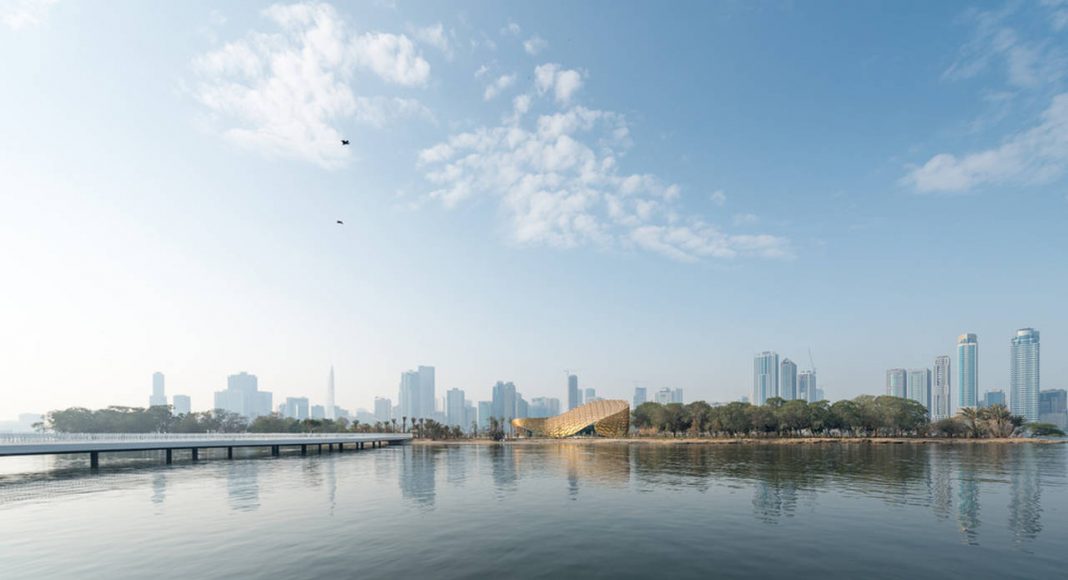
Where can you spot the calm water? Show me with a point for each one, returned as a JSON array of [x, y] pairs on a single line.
[[552, 511]]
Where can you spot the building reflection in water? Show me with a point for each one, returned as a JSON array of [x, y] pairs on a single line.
[[242, 485], [418, 466], [1025, 507], [159, 488]]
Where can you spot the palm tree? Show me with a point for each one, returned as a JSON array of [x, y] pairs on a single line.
[[972, 422], [404, 424], [999, 420], [394, 429]]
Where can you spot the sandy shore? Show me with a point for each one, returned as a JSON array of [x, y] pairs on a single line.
[[749, 441]]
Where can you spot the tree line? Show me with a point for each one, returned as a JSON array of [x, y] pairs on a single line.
[[864, 416]]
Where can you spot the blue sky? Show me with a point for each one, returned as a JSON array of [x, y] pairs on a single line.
[[647, 194]]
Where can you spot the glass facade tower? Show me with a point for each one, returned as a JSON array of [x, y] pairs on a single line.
[[1024, 374], [967, 371]]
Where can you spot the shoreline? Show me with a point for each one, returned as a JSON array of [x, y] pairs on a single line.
[[747, 441]]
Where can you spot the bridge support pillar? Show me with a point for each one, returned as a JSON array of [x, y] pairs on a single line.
[[94, 459], [229, 452], [195, 453], [320, 449], [167, 456], [340, 447], [303, 449], [274, 450]]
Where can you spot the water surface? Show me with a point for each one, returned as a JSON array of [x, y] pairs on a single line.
[[546, 511]]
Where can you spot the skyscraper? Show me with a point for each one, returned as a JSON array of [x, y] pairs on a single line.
[[242, 396], [426, 391], [1024, 379], [897, 383], [485, 411], [639, 396], [544, 407], [296, 408], [591, 394], [182, 404], [504, 403], [664, 396], [806, 386], [454, 408], [765, 377], [331, 408], [941, 389], [995, 397], [159, 397], [788, 379], [967, 371], [383, 409], [676, 395], [919, 386], [574, 396]]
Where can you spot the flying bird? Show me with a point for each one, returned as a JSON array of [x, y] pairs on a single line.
[[340, 222], [344, 141]]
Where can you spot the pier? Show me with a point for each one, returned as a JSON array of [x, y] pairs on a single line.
[[93, 444]]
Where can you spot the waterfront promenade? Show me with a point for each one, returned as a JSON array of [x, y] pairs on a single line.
[[94, 444]]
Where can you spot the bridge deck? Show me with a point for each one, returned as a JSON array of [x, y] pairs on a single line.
[[95, 443]]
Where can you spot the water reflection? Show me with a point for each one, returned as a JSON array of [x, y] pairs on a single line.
[[242, 485], [418, 470], [159, 488]]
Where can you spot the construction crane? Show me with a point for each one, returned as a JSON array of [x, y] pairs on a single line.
[[811, 363]]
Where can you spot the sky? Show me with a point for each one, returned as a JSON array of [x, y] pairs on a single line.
[[644, 194]]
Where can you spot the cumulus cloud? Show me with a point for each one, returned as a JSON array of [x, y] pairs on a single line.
[[563, 83], [1036, 155], [436, 37], [1028, 62], [557, 182], [495, 88], [534, 45], [718, 197], [22, 14], [511, 29], [283, 92]]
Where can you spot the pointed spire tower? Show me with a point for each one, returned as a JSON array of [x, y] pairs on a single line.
[[331, 410]]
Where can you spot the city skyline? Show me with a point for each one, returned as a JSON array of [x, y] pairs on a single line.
[[646, 241]]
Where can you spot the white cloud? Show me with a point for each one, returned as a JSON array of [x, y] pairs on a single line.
[[718, 197], [481, 72], [436, 37], [283, 93], [502, 83], [1037, 155], [534, 45], [22, 14], [557, 182], [745, 219], [563, 82], [511, 29], [1029, 62]]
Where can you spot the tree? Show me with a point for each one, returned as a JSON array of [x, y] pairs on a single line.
[[973, 423], [1044, 430]]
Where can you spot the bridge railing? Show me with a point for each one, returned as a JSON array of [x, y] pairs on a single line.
[[44, 438]]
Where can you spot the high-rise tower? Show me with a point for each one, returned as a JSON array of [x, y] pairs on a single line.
[[941, 389], [967, 371], [765, 377], [1024, 378], [331, 410]]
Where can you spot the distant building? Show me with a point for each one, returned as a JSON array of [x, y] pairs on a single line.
[[676, 395], [522, 407], [383, 409], [158, 397], [806, 386], [639, 396], [454, 408], [574, 395], [182, 404], [591, 394], [416, 394], [765, 377], [544, 407], [919, 386], [967, 371], [331, 406], [897, 383], [242, 396], [995, 397], [295, 408], [941, 389], [485, 411], [1024, 378], [788, 379], [318, 412], [1053, 407], [504, 402], [663, 396], [470, 416]]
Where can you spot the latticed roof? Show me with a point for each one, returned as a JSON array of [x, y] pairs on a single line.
[[609, 418]]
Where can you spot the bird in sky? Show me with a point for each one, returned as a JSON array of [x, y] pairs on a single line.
[[344, 141], [340, 222]]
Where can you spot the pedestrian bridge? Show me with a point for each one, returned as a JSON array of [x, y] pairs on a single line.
[[94, 444]]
